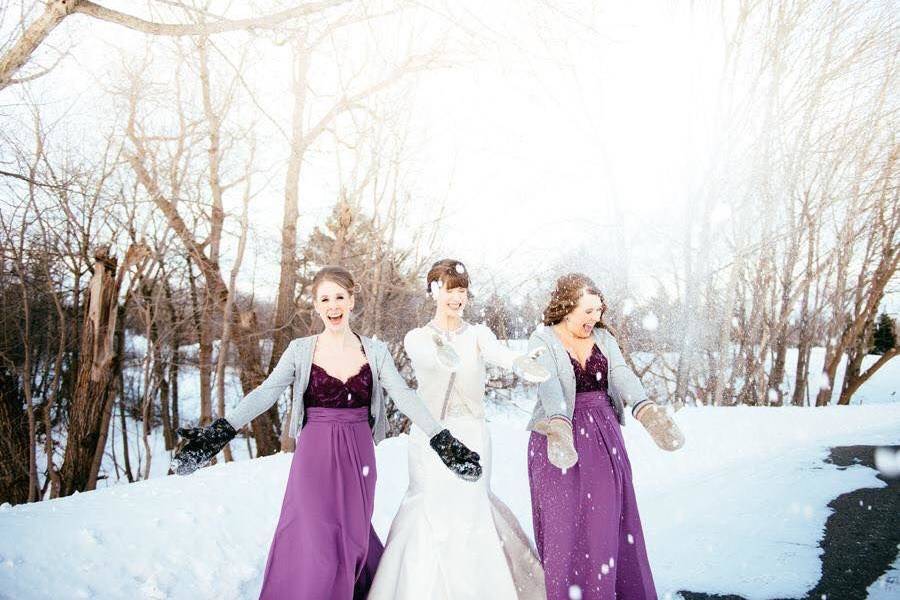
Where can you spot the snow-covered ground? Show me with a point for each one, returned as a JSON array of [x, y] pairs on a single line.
[[740, 509]]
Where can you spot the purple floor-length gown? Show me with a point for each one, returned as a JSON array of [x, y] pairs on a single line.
[[586, 523], [324, 545]]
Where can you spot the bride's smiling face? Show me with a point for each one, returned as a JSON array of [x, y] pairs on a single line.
[[450, 301], [333, 304]]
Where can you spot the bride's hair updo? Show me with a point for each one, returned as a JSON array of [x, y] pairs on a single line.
[[448, 273]]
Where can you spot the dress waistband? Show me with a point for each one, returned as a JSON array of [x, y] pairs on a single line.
[[321, 414], [591, 399]]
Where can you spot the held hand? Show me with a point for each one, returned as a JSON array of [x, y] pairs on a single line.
[[660, 426], [560, 444], [457, 456], [528, 368], [203, 443], [446, 355]]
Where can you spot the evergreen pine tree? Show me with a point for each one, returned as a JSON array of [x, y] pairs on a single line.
[[885, 336]]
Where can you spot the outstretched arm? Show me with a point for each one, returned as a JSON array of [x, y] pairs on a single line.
[[492, 350], [203, 443], [267, 393], [626, 386], [406, 400]]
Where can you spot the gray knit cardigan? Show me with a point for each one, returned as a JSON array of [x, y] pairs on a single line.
[[293, 369]]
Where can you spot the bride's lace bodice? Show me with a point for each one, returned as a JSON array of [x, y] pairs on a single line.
[[475, 345]]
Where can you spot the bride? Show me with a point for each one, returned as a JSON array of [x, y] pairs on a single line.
[[454, 539]]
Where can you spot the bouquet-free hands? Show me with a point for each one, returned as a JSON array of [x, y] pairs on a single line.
[[457, 456], [528, 368], [560, 442], [202, 444], [446, 354], [661, 427]]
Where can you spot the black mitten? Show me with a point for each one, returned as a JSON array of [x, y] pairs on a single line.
[[203, 443], [457, 456]]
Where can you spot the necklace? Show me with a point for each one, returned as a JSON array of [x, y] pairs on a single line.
[[446, 333]]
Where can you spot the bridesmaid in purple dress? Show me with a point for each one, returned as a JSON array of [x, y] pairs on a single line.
[[586, 522], [335, 451], [611, 561]]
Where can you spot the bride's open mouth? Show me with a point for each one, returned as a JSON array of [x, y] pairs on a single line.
[[335, 319]]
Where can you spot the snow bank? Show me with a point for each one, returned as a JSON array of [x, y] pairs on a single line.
[[740, 509]]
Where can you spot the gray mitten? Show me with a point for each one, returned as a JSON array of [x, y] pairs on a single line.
[[660, 426], [528, 368], [560, 442], [446, 355]]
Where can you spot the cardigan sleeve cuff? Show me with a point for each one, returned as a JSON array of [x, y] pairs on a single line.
[[637, 407]]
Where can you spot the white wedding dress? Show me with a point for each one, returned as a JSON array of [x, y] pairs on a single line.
[[452, 539]]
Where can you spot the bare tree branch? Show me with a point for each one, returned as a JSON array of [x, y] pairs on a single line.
[[56, 10], [180, 29]]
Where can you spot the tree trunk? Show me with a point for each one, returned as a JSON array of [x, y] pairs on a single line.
[[285, 309], [13, 441], [90, 406], [853, 385]]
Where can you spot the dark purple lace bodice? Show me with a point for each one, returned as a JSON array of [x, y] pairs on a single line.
[[327, 391], [592, 378]]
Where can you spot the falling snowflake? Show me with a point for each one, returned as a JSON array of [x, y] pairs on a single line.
[[614, 451], [599, 376], [630, 539], [574, 592], [604, 568], [612, 562], [436, 286], [887, 461], [650, 322], [365, 470]]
